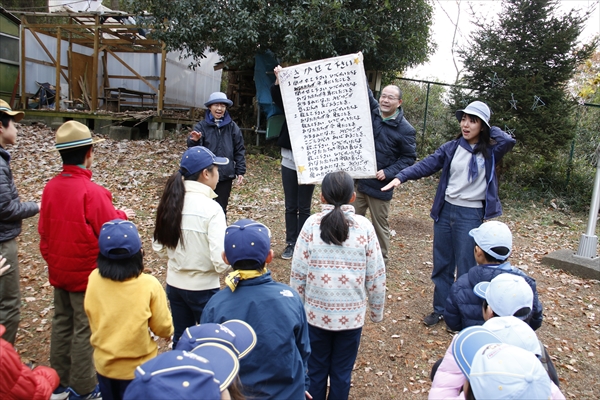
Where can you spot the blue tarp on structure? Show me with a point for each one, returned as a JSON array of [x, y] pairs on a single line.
[[263, 79]]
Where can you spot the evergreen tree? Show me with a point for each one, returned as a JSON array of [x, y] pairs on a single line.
[[393, 35], [520, 66]]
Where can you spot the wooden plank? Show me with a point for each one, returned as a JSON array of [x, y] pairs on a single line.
[[94, 80], [162, 86], [23, 91], [148, 77], [58, 71]]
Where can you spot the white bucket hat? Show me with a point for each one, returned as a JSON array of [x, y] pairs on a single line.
[[477, 108]]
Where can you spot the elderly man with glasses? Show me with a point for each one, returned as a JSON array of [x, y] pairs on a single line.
[[395, 149]]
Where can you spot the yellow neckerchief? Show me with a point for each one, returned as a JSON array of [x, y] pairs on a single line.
[[233, 278]]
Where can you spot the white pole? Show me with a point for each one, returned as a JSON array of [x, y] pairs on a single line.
[[589, 241]]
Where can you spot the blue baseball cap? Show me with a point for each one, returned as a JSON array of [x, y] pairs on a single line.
[[235, 334], [119, 234], [247, 240], [467, 343], [197, 158], [177, 374]]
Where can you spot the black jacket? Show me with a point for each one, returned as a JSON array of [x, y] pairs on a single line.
[[395, 149], [225, 140], [284, 136], [12, 211]]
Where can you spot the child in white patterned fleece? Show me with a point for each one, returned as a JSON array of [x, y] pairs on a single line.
[[338, 270]]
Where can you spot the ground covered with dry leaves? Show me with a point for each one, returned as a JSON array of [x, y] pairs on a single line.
[[396, 355]]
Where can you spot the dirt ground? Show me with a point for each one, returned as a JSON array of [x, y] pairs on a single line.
[[396, 355]]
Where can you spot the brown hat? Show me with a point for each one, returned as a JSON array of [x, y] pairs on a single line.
[[5, 108], [73, 134]]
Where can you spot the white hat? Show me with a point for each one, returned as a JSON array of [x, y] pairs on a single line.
[[477, 108], [503, 371], [507, 293], [218, 97], [493, 234], [512, 330]]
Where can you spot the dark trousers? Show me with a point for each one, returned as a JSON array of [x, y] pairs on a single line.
[[112, 389], [71, 353], [10, 293], [186, 308], [298, 199], [223, 190], [332, 355]]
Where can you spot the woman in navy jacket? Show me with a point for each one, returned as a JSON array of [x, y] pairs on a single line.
[[466, 195]]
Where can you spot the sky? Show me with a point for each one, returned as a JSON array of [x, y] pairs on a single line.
[[447, 12]]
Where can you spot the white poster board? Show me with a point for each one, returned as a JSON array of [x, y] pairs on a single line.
[[329, 118]]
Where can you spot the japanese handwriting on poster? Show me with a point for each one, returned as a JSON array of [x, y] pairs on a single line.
[[329, 118]]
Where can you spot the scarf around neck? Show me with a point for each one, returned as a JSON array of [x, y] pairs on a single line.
[[234, 277], [473, 169]]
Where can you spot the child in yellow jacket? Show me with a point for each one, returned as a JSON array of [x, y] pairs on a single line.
[[124, 306]]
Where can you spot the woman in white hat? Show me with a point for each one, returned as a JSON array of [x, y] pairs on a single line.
[[223, 137], [466, 195]]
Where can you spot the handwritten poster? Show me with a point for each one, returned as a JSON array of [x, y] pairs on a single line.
[[329, 118]]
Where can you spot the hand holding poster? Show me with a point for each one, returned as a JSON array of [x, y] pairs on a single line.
[[329, 118]]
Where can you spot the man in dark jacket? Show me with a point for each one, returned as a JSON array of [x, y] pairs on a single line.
[[493, 245], [223, 137], [12, 213], [395, 149]]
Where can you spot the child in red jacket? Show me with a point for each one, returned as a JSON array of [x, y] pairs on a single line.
[[17, 380], [73, 211]]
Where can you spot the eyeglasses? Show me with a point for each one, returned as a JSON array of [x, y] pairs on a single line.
[[385, 96]]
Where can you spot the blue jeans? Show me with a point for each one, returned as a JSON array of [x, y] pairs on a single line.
[[332, 354], [112, 389], [186, 308], [453, 249], [298, 199]]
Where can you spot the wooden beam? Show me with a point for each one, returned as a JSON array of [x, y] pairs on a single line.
[[163, 68], [94, 82], [58, 71], [150, 78], [23, 77], [40, 62], [132, 70]]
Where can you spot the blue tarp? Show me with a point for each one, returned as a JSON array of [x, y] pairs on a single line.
[[263, 79]]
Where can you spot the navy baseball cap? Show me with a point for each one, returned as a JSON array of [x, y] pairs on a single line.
[[119, 234], [197, 158], [247, 240], [177, 374], [235, 334]]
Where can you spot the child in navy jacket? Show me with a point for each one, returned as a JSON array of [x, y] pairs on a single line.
[[493, 246]]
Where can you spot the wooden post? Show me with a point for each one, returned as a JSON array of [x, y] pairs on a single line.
[[58, 69], [94, 80], [23, 77], [161, 91]]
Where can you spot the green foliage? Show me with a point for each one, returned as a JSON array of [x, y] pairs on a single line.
[[587, 80], [392, 35], [560, 181], [531, 53], [438, 123]]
